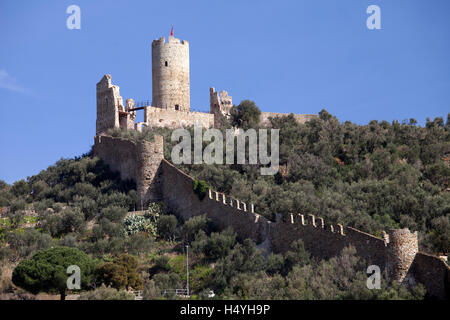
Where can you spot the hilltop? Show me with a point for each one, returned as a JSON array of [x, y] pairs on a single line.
[[372, 177]]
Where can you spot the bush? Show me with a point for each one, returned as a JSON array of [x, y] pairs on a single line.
[[200, 188], [120, 273], [106, 293], [192, 226], [134, 224], [216, 246], [24, 244], [167, 226]]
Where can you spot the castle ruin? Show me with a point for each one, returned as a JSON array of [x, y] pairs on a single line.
[[170, 106], [156, 179]]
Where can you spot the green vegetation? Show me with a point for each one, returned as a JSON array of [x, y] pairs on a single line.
[[200, 188], [372, 177], [46, 271], [121, 273]]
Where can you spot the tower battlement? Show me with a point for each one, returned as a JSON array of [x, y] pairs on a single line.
[[162, 41]]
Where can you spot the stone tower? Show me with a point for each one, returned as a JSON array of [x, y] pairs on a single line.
[[109, 102], [170, 74], [219, 105], [401, 251]]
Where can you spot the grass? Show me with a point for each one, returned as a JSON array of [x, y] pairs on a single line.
[[6, 222]]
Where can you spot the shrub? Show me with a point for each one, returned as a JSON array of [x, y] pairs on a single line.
[[120, 273], [167, 226], [134, 224], [106, 293], [200, 188]]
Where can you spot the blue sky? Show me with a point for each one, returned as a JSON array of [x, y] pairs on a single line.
[[287, 56]]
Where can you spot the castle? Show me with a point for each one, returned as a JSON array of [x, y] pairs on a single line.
[[156, 179], [170, 105]]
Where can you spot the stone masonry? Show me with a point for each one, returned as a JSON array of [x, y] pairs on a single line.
[[170, 106], [170, 74], [158, 180]]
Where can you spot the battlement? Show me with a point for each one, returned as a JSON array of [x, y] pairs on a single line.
[[229, 201], [159, 180], [315, 222], [171, 40]]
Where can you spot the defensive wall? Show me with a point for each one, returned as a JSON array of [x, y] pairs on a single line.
[[139, 162], [159, 180], [224, 211], [264, 118], [325, 240], [160, 117]]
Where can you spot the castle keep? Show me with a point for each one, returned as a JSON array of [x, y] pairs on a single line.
[[158, 180], [171, 106]]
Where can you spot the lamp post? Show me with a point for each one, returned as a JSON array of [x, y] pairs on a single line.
[[187, 269]]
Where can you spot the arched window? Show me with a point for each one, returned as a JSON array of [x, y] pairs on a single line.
[[167, 64], [177, 107]]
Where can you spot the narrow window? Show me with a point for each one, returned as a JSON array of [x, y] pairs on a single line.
[[166, 64], [177, 107]]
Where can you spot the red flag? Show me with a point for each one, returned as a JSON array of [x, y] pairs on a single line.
[[171, 32]]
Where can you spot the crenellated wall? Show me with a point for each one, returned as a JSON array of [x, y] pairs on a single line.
[[325, 241], [179, 197]]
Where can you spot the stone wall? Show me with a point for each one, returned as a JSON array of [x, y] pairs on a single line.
[[179, 197], [301, 118], [219, 105], [401, 250], [170, 74], [119, 154], [159, 180], [139, 162], [158, 117], [325, 241], [148, 178], [109, 102], [433, 273]]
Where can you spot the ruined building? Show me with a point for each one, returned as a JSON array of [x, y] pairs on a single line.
[[157, 179], [170, 106]]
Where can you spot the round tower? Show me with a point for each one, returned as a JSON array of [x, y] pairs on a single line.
[[401, 251], [170, 74]]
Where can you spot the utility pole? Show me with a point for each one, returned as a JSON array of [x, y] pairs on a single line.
[[187, 269]]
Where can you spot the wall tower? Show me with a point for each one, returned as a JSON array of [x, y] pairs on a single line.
[[170, 74], [109, 102], [402, 248]]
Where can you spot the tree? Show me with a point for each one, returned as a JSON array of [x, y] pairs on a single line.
[[120, 273], [325, 115], [112, 274], [47, 270], [167, 226], [245, 115], [192, 226]]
